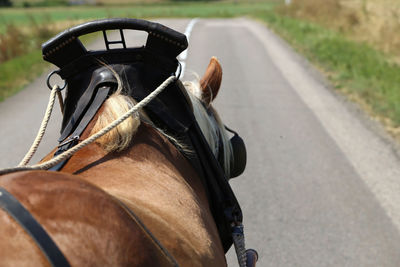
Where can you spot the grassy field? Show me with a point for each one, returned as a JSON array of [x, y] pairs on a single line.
[[363, 64], [22, 30], [22, 16], [16, 73], [376, 22]]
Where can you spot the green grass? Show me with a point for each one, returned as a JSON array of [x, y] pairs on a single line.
[[17, 72], [21, 16], [353, 67]]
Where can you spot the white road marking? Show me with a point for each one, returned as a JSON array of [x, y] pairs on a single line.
[[182, 57]]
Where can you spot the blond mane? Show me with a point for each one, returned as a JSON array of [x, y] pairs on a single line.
[[120, 137]]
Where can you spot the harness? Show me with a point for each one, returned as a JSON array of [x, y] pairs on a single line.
[[143, 69]]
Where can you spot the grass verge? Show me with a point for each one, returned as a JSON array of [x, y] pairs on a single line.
[[357, 69], [22, 17], [15, 73]]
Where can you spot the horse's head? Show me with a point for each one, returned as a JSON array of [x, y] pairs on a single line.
[[231, 153]]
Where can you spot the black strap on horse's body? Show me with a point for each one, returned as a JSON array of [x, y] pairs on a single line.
[[21, 215], [81, 118], [46, 244], [156, 242]]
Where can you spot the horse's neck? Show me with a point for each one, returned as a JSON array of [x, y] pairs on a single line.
[[160, 185], [149, 151]]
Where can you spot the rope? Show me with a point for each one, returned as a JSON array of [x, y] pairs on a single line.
[[61, 157], [60, 101], [42, 128]]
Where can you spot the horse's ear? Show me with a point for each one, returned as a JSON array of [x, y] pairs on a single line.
[[211, 81]]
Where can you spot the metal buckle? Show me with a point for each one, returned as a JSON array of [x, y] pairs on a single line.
[[69, 140]]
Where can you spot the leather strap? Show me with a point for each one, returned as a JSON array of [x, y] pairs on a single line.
[[148, 232], [14, 208], [86, 101], [99, 99]]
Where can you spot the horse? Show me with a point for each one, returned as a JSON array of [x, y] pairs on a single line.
[[134, 197], [138, 164], [146, 172]]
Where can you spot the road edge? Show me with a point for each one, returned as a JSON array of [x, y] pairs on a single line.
[[355, 133]]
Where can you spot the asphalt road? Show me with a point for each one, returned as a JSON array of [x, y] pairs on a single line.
[[322, 184]]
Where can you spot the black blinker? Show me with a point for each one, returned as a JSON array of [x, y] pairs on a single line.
[[239, 154]]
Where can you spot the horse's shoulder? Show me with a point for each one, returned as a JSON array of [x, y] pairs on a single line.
[[78, 216]]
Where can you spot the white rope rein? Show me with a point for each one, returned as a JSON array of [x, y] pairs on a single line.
[[42, 129], [63, 156]]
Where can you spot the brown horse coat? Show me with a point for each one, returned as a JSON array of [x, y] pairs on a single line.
[[159, 185], [88, 225]]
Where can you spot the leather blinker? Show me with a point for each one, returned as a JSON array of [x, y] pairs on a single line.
[[239, 154]]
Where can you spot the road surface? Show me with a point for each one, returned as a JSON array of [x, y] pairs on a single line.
[[322, 184]]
